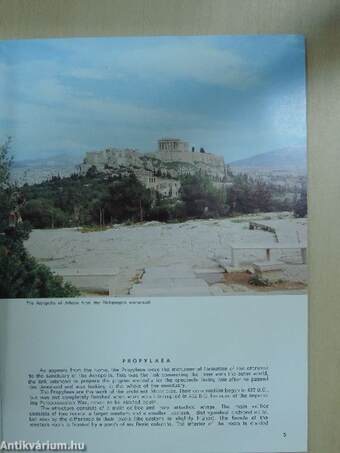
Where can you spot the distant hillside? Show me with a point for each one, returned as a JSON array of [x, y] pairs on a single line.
[[58, 161], [33, 171], [281, 159]]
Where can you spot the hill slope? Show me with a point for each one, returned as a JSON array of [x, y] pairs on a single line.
[[281, 159]]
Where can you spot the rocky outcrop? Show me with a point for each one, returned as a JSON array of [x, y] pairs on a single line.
[[166, 163]]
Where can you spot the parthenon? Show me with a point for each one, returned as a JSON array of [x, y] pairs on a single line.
[[172, 144]]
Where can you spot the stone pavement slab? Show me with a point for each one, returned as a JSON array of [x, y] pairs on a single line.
[[140, 290], [173, 283], [170, 281]]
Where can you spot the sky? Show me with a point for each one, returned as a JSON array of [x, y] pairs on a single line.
[[235, 96]]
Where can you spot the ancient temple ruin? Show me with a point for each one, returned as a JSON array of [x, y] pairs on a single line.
[[161, 169], [172, 144]]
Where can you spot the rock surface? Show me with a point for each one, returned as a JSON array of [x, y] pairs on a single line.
[[130, 251]]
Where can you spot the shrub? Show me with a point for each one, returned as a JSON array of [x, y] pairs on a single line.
[[256, 280]]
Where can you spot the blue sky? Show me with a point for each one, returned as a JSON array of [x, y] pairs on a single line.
[[233, 95]]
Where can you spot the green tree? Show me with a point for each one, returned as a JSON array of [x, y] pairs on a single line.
[[128, 199], [20, 274], [5, 187], [42, 214], [247, 195], [92, 171], [300, 206], [200, 198]]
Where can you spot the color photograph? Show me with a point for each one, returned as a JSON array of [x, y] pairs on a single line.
[[153, 166]]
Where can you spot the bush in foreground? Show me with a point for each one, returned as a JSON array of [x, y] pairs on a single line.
[[20, 274]]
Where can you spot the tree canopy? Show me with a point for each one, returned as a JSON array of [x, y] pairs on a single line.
[[127, 199], [201, 198], [20, 274]]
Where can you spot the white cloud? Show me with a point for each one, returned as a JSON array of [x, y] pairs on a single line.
[[186, 60], [62, 104], [190, 61], [64, 118]]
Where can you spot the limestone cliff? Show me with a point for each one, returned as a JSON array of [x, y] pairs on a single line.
[[172, 161]]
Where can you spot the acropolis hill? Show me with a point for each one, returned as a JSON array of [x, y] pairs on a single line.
[[160, 169]]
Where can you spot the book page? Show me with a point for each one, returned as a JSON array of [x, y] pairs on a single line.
[[184, 375], [153, 243]]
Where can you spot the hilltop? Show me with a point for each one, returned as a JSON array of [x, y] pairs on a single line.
[[285, 159]]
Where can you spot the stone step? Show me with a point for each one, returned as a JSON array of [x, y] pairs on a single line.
[[171, 268], [209, 270], [173, 283], [151, 276], [140, 290], [86, 272], [267, 266], [239, 269]]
